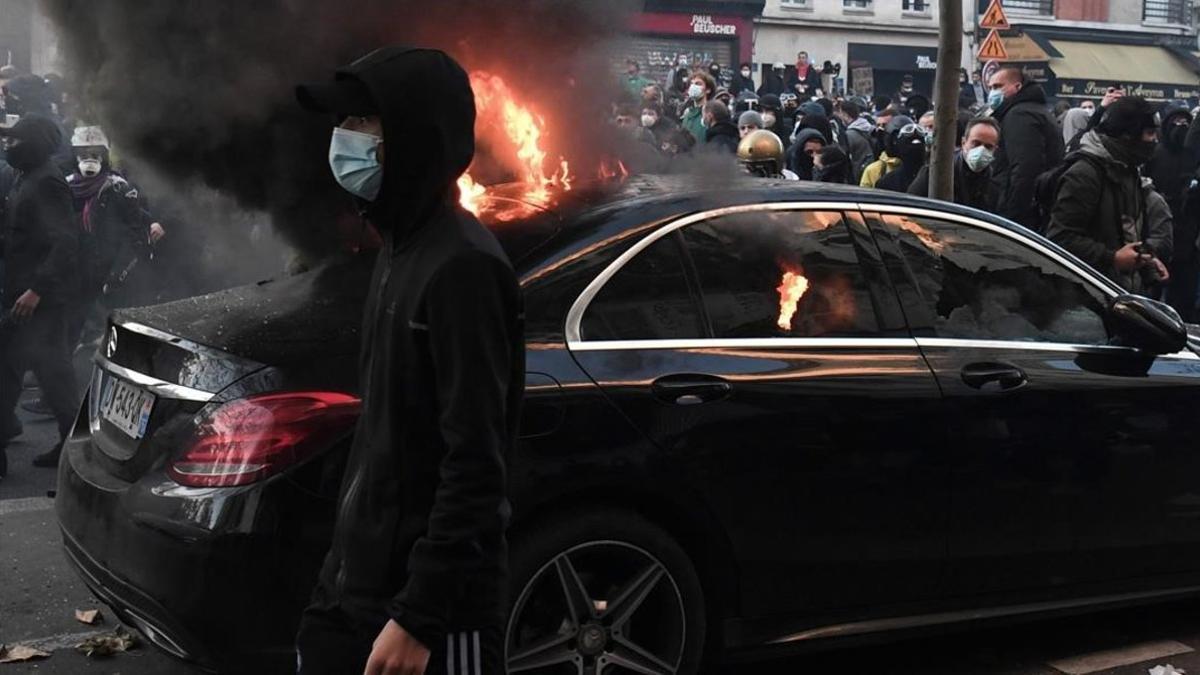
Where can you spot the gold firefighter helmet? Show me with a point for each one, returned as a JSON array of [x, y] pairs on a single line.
[[761, 153]]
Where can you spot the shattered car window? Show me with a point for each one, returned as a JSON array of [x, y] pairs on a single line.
[[781, 274], [975, 284]]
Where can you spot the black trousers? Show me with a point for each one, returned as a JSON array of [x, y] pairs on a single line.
[[330, 642], [39, 344]]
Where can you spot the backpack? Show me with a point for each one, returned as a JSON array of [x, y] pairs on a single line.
[[1045, 187]]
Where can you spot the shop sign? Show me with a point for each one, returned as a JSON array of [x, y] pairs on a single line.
[[1147, 90], [703, 24]]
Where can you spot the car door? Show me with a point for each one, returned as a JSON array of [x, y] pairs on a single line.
[[755, 347], [1073, 459]]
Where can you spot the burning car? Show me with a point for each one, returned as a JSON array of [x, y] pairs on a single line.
[[776, 416]]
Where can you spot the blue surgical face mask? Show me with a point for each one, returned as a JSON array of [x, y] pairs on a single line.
[[995, 98], [979, 158], [352, 157]]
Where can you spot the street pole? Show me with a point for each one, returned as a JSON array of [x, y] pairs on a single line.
[[941, 166]]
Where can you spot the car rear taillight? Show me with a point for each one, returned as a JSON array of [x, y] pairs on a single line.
[[249, 439]]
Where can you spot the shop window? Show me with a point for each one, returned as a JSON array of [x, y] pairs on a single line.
[[796, 4], [915, 6], [858, 5]]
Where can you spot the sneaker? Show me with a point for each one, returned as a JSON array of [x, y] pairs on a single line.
[[37, 406], [48, 459]]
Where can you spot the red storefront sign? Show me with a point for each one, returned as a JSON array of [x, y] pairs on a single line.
[[699, 25]]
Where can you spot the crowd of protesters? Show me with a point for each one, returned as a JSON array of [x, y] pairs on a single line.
[[1115, 181], [76, 240]]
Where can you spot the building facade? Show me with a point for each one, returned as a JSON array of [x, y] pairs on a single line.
[[696, 32], [27, 39], [1080, 48], [876, 42]]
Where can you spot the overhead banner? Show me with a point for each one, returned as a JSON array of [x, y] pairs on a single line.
[[1066, 88]]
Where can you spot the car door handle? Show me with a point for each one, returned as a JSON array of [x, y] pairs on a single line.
[[688, 389], [1008, 377]]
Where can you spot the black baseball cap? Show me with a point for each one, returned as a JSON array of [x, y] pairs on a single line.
[[345, 96]]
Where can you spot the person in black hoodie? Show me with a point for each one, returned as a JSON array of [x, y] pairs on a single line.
[[40, 245], [417, 569], [909, 144], [1172, 169], [1030, 143]]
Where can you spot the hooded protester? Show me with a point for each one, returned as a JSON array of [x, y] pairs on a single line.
[[1104, 211], [416, 574], [1030, 142], [910, 144], [973, 184], [1172, 169], [774, 83], [40, 249], [886, 162], [832, 165], [743, 82], [1074, 123], [771, 109], [811, 115], [802, 154]]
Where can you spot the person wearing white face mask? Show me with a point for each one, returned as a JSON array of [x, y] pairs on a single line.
[[742, 81], [117, 234], [701, 88], [973, 185]]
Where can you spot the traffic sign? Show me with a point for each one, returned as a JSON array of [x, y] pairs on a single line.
[[989, 69], [993, 47], [994, 18]]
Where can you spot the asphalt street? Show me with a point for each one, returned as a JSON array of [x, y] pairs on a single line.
[[39, 595]]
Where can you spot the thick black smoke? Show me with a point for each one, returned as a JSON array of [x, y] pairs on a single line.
[[204, 90]]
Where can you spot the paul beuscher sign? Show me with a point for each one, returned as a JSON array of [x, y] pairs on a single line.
[[703, 24]]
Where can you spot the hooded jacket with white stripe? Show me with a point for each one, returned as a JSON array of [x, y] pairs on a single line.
[[420, 534]]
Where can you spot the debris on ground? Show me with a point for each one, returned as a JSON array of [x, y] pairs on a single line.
[[1166, 670], [108, 644], [20, 653], [89, 616]]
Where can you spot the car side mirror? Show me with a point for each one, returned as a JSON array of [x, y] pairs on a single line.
[[1149, 325]]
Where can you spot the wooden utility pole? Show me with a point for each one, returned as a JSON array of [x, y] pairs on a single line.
[[941, 166]]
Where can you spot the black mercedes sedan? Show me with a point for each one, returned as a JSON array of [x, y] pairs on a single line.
[[758, 418]]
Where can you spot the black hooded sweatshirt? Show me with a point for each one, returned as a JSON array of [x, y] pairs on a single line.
[[39, 240], [1173, 164], [422, 512]]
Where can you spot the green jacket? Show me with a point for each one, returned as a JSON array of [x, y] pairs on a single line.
[[693, 123]]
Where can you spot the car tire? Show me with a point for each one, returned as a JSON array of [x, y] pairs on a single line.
[[615, 555]]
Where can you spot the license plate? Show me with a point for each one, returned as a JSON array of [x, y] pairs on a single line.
[[126, 406]]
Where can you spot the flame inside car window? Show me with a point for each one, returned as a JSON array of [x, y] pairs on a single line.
[[792, 287]]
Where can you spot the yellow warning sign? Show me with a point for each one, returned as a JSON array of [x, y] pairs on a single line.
[[993, 48], [994, 18]]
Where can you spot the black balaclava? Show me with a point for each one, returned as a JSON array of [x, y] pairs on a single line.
[[36, 138]]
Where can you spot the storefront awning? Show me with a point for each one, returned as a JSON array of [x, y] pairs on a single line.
[[1088, 69]]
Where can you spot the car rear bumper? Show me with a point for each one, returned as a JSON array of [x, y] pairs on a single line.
[[134, 607]]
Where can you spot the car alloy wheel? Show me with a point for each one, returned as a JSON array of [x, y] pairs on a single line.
[[599, 608]]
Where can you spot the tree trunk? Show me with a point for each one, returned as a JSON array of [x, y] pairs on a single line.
[[941, 167]]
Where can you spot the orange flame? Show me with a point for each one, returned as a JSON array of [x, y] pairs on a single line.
[[792, 287], [499, 113]]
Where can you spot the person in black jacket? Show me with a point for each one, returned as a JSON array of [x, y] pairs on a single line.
[[1172, 169], [773, 83], [1030, 143], [742, 81], [909, 144], [806, 81], [721, 134], [973, 184], [40, 249], [416, 573]]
